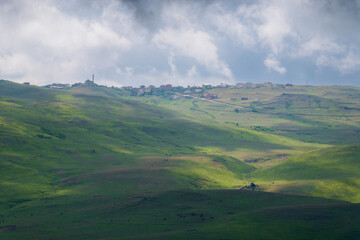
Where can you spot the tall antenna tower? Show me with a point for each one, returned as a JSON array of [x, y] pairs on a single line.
[[93, 78]]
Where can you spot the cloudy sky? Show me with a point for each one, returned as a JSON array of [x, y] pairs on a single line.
[[129, 42]]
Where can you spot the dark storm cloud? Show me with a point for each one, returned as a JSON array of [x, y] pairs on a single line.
[[146, 13], [149, 12]]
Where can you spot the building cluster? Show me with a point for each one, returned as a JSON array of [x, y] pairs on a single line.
[[58, 86], [87, 83], [199, 90], [176, 92], [208, 95], [163, 89], [259, 85]]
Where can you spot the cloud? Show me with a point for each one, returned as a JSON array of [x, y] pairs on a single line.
[[230, 24], [295, 29], [319, 45], [9, 64], [195, 44], [273, 64], [47, 44], [274, 27], [328, 53], [345, 64], [172, 65], [192, 72], [46, 41]]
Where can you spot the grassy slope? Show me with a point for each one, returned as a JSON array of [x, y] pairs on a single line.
[[328, 115], [88, 164], [216, 214], [48, 135], [331, 173]]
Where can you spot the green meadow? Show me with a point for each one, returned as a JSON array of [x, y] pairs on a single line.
[[97, 163]]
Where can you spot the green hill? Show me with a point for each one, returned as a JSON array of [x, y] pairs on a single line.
[[217, 214], [331, 172], [47, 132], [313, 114], [93, 163]]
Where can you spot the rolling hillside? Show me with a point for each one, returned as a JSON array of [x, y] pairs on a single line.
[[91, 163], [314, 114], [331, 173]]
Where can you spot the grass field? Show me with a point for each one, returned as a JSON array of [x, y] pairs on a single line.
[[215, 214], [94, 163], [328, 115]]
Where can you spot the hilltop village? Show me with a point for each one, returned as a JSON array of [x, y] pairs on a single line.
[[176, 92]]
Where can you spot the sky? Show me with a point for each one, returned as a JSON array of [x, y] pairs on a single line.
[[138, 42]]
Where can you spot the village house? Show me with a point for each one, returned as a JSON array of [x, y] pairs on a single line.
[[58, 85], [55, 87], [141, 92], [166, 87], [90, 83], [268, 84], [208, 95], [251, 187], [127, 88]]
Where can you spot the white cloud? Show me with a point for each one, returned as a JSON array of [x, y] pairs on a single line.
[[232, 26], [45, 44], [259, 23], [317, 30], [273, 64], [194, 44], [46, 41], [274, 27], [345, 64], [319, 45], [192, 72], [172, 65], [349, 63]]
